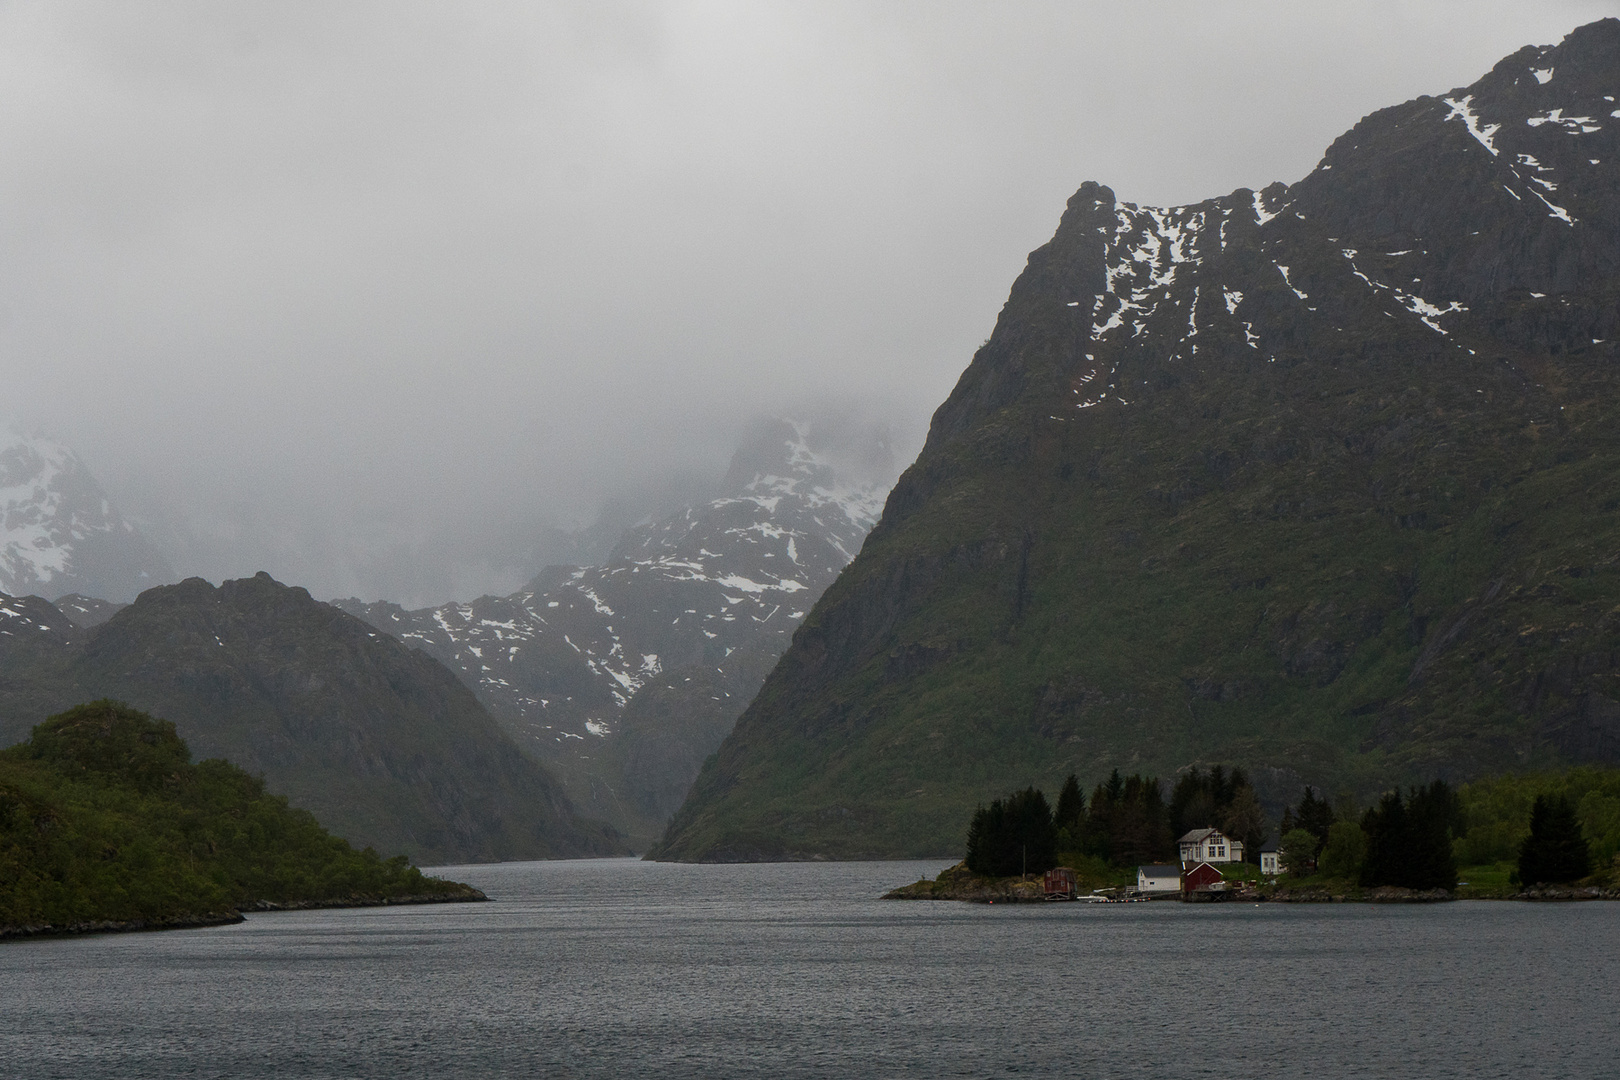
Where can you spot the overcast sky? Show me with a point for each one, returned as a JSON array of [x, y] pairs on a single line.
[[333, 282]]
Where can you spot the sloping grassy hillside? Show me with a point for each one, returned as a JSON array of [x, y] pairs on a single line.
[[1322, 481]]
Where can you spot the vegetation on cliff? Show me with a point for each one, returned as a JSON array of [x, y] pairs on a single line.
[[1319, 480], [382, 743], [105, 819]]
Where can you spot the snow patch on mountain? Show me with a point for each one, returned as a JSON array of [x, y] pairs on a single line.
[[560, 659], [59, 533]]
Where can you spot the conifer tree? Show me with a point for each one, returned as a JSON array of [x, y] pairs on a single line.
[[1012, 836], [1191, 806], [1386, 829], [1071, 806], [1409, 842], [1245, 820], [1556, 851], [1434, 816]]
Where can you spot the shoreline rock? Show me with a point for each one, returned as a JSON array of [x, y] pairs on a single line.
[[229, 918], [960, 883]]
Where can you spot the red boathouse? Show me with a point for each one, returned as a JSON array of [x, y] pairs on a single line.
[[1202, 878]]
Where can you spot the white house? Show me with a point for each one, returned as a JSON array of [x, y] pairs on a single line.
[[1211, 846], [1269, 862], [1158, 879]]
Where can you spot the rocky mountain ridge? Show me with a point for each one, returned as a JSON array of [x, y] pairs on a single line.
[[1318, 480], [378, 740], [623, 677]]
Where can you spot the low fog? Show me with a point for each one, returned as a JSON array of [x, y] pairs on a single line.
[[386, 298]]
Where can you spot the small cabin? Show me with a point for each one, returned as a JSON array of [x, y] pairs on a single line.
[[1158, 879], [1059, 883], [1209, 846], [1202, 878], [1270, 859]]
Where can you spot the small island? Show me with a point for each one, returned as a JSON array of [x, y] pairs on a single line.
[[1548, 836], [107, 825]]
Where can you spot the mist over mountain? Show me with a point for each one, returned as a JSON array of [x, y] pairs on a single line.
[[373, 296], [1320, 480], [60, 534], [624, 675]]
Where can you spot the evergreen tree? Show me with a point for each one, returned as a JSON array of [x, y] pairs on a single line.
[[1129, 822], [1555, 851], [1012, 836], [1245, 820], [1191, 806], [1434, 816], [1141, 832], [1386, 830], [984, 839], [1071, 806], [1409, 842], [1314, 815]]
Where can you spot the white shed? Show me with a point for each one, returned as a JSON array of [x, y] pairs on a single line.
[[1158, 879]]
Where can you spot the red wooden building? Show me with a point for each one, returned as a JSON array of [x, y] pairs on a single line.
[[1060, 883], [1202, 878]]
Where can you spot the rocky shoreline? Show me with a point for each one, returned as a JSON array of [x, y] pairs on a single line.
[[227, 918], [958, 883]]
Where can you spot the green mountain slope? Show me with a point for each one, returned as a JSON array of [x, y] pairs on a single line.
[[1323, 481], [104, 819], [379, 741]]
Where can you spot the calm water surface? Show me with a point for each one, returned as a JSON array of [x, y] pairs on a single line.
[[620, 968]]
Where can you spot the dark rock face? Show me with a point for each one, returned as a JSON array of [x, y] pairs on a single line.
[[379, 741], [1318, 480], [624, 677]]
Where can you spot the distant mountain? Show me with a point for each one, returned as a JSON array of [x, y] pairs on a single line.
[[378, 740], [623, 677], [1321, 480], [59, 533]]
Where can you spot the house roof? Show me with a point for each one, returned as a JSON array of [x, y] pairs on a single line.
[[1159, 871], [1196, 835], [1206, 866], [1269, 845]]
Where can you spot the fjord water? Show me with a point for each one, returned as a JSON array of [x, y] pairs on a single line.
[[616, 967]]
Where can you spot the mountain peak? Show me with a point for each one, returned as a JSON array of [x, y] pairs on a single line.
[[1316, 480], [59, 533]]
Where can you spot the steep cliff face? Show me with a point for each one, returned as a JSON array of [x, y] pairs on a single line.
[[1321, 480], [379, 741]]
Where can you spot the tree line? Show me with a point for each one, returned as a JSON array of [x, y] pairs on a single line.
[[1126, 821], [1412, 840], [1409, 839]]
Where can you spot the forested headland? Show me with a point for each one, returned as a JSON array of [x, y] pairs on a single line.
[[106, 823], [1533, 835]]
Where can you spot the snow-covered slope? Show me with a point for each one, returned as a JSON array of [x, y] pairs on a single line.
[[706, 597], [59, 534]]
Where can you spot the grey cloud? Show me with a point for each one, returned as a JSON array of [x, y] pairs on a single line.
[[371, 294]]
